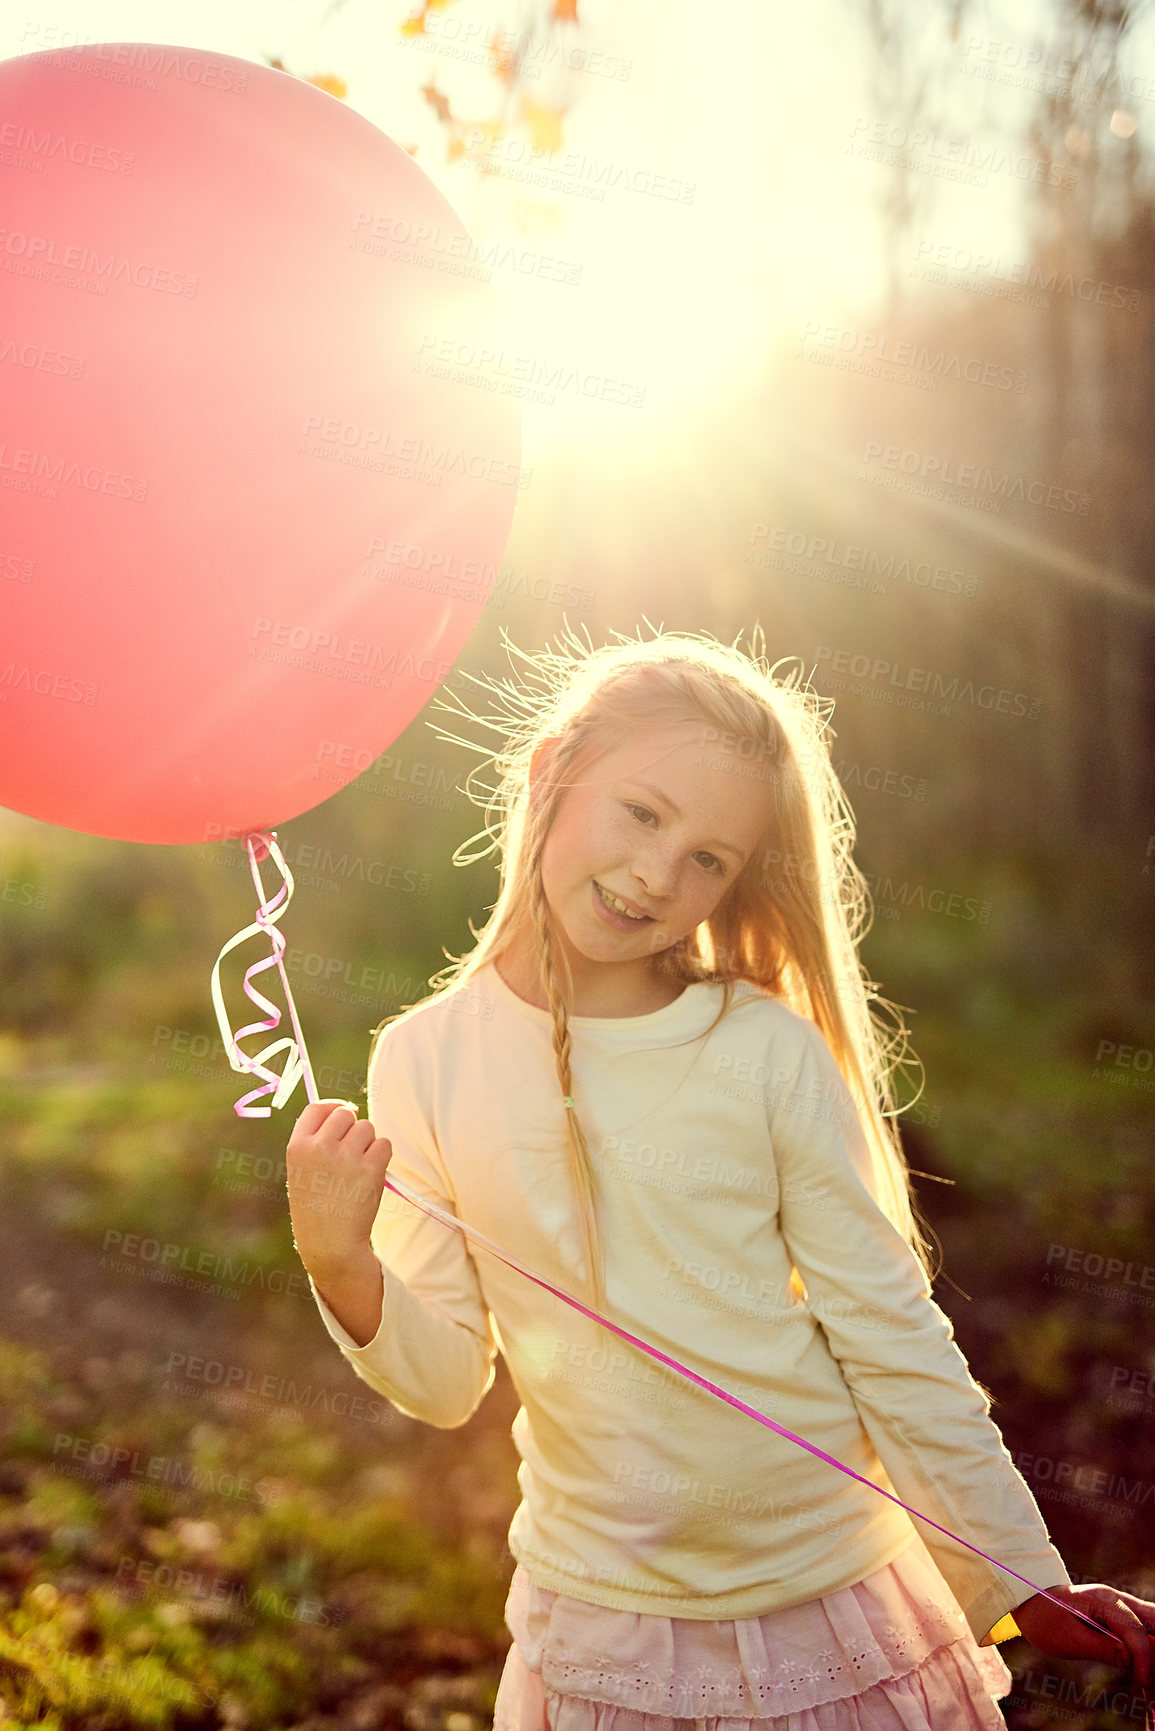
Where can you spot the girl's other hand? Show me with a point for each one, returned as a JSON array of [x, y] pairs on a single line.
[[335, 1165], [1049, 1628]]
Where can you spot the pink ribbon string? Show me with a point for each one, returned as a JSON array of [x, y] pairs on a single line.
[[297, 1066], [297, 1063], [471, 1233]]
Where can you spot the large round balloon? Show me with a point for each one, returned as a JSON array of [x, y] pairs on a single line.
[[254, 493]]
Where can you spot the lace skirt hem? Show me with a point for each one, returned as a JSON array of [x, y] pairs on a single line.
[[891, 1653]]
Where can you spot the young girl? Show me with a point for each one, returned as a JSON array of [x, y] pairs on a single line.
[[659, 1081]]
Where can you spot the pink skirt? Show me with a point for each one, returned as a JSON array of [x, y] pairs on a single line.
[[893, 1653]]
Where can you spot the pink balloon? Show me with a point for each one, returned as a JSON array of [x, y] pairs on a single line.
[[247, 528]]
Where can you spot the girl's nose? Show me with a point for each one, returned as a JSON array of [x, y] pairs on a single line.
[[657, 872]]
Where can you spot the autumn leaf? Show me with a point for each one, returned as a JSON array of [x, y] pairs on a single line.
[[329, 82], [504, 60], [544, 125], [485, 132], [439, 102]]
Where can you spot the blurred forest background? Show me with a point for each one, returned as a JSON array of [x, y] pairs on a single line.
[[205, 1519]]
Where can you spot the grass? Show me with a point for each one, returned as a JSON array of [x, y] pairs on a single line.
[[252, 1552]]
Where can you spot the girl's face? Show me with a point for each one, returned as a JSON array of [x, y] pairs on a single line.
[[664, 824]]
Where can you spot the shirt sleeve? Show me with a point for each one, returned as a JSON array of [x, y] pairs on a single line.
[[928, 1419], [432, 1355]]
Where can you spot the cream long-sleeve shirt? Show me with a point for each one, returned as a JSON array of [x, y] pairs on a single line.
[[725, 1161]]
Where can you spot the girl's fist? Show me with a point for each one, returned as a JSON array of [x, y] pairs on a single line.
[[335, 1164], [1049, 1628]]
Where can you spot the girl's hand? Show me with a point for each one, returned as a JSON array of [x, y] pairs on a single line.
[[1049, 1628], [335, 1165]]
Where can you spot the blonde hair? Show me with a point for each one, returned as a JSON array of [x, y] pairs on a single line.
[[794, 934]]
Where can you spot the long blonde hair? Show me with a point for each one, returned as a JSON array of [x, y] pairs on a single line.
[[790, 922]]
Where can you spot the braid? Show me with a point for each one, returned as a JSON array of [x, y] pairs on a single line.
[[580, 1162]]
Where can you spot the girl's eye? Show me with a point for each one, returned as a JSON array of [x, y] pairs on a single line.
[[716, 866]]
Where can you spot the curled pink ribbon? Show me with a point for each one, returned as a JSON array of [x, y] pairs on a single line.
[[297, 1056], [297, 1066]]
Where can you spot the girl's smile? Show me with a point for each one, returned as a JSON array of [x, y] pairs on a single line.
[[614, 914]]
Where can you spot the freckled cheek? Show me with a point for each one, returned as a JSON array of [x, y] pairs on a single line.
[[704, 901], [607, 844], [699, 908]]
